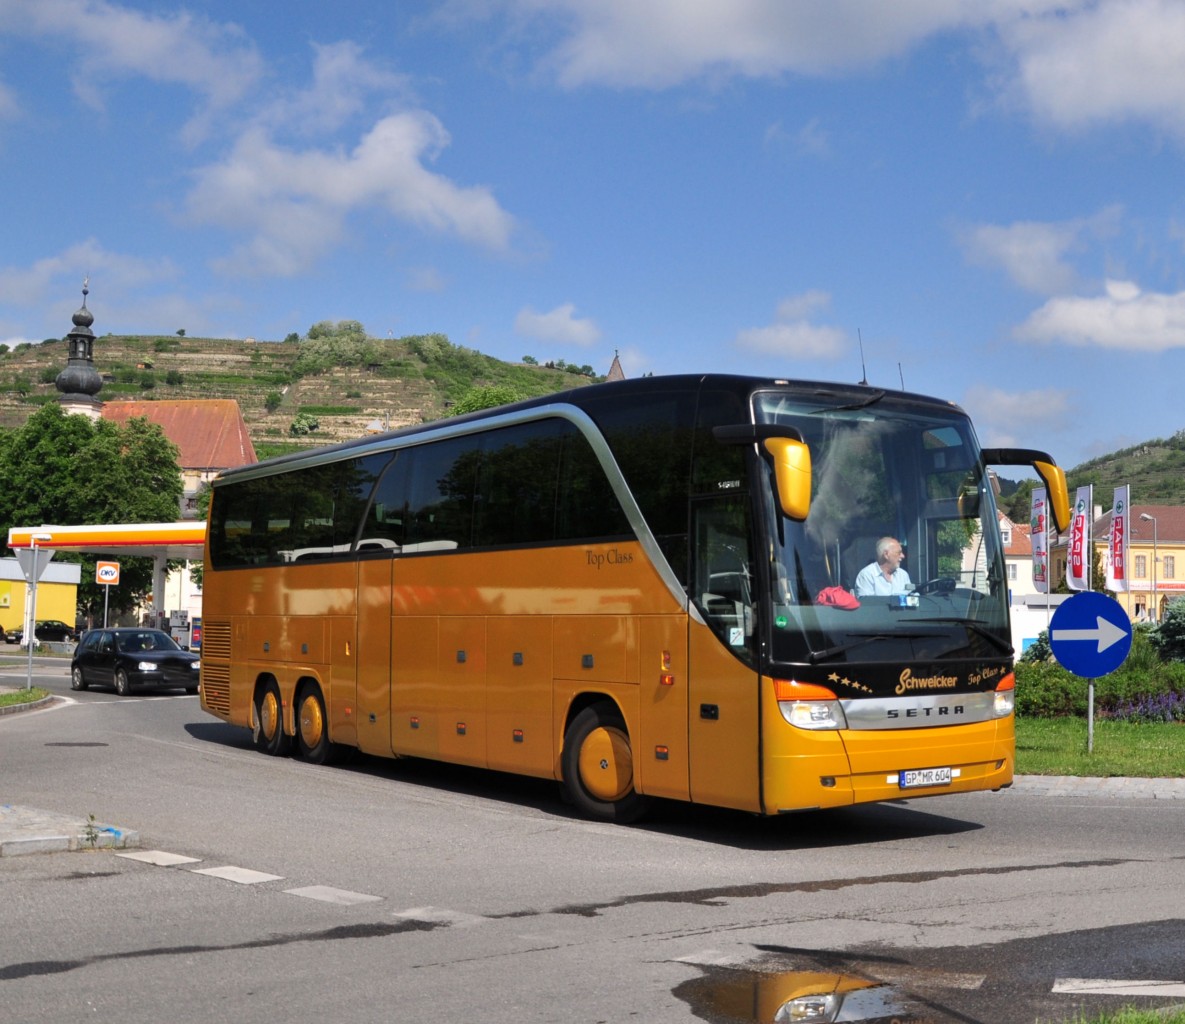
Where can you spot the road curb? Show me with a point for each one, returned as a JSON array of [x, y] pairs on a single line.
[[27, 830], [31, 705]]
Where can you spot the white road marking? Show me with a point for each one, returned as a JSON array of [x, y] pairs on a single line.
[[244, 876], [160, 858], [1118, 987], [327, 894], [440, 915]]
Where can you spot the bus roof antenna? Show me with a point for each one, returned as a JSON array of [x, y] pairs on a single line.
[[901, 375], [863, 370]]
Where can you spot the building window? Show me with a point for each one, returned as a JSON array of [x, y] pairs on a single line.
[[1006, 535], [1169, 565], [1011, 572], [1141, 567]]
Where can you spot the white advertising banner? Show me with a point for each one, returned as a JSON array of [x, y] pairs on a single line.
[[1039, 536], [1117, 576], [1078, 560]]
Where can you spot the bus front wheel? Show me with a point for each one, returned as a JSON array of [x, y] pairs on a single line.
[[267, 729], [598, 766], [312, 728]]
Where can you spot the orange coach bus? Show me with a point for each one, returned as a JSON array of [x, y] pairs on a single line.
[[640, 589]]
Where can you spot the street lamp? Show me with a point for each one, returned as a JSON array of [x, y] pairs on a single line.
[[1155, 565], [31, 627]]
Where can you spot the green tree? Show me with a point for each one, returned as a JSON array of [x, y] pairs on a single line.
[[66, 469], [272, 402], [305, 423], [181, 332], [484, 396], [1168, 636]]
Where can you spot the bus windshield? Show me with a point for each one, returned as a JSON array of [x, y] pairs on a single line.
[[889, 474]]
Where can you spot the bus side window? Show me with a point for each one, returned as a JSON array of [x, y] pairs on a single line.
[[723, 570]]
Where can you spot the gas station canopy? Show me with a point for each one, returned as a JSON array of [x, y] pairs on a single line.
[[159, 541], [183, 540]]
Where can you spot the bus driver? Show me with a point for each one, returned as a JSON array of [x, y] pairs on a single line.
[[884, 576]]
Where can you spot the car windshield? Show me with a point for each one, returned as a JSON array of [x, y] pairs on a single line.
[[144, 640], [900, 556]]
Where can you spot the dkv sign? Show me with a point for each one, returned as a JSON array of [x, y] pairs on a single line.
[[107, 572]]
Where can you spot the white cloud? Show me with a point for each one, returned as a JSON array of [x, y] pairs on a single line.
[[663, 42], [1008, 418], [559, 326], [794, 334], [1124, 317], [1108, 60], [52, 276], [1032, 254], [1035, 254], [294, 203], [106, 41], [342, 81], [1072, 63]]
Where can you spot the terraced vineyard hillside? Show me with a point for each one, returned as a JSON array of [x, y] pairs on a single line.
[[344, 389]]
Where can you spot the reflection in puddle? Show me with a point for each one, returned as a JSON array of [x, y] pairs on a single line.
[[807, 997]]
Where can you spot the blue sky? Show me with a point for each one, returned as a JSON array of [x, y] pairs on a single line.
[[990, 194]]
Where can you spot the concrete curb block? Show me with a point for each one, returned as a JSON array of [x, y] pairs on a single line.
[[26, 830], [32, 705]]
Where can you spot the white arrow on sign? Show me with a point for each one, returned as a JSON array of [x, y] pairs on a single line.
[[1106, 633]]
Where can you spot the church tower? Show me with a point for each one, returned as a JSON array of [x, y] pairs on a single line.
[[80, 382]]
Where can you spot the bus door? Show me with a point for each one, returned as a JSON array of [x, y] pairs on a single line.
[[373, 661], [724, 725]]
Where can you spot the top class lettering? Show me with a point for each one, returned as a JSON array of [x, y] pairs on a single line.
[[614, 556]]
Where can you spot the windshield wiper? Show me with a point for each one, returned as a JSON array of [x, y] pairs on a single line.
[[862, 404], [827, 653], [975, 627]]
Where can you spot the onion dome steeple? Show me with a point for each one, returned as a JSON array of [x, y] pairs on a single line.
[[79, 382]]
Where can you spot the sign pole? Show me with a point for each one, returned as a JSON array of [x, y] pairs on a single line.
[[106, 573]]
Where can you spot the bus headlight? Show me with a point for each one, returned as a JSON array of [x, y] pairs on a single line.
[[813, 714], [1006, 696], [808, 706]]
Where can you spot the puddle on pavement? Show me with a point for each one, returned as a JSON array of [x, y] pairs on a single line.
[[726, 995]]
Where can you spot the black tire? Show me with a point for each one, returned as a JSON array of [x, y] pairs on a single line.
[[598, 766], [312, 728], [77, 679], [267, 725], [191, 690], [123, 685]]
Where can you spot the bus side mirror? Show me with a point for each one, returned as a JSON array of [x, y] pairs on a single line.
[[1051, 474], [1054, 478], [792, 473]]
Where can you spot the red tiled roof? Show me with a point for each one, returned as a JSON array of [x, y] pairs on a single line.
[[1170, 524], [209, 432]]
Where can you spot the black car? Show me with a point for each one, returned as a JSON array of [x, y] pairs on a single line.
[[128, 658], [47, 630]]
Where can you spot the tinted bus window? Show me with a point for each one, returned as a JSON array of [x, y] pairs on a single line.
[[533, 483], [303, 515]]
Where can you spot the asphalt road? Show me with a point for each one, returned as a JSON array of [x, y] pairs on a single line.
[[266, 889]]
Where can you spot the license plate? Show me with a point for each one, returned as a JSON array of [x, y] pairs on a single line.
[[924, 777]]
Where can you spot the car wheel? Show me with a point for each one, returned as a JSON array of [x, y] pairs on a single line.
[[598, 766], [123, 685], [77, 680], [267, 726]]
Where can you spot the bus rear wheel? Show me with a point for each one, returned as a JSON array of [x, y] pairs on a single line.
[[267, 729], [598, 766], [312, 728]]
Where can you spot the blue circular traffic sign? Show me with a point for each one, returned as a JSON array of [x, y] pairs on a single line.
[[1090, 634]]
